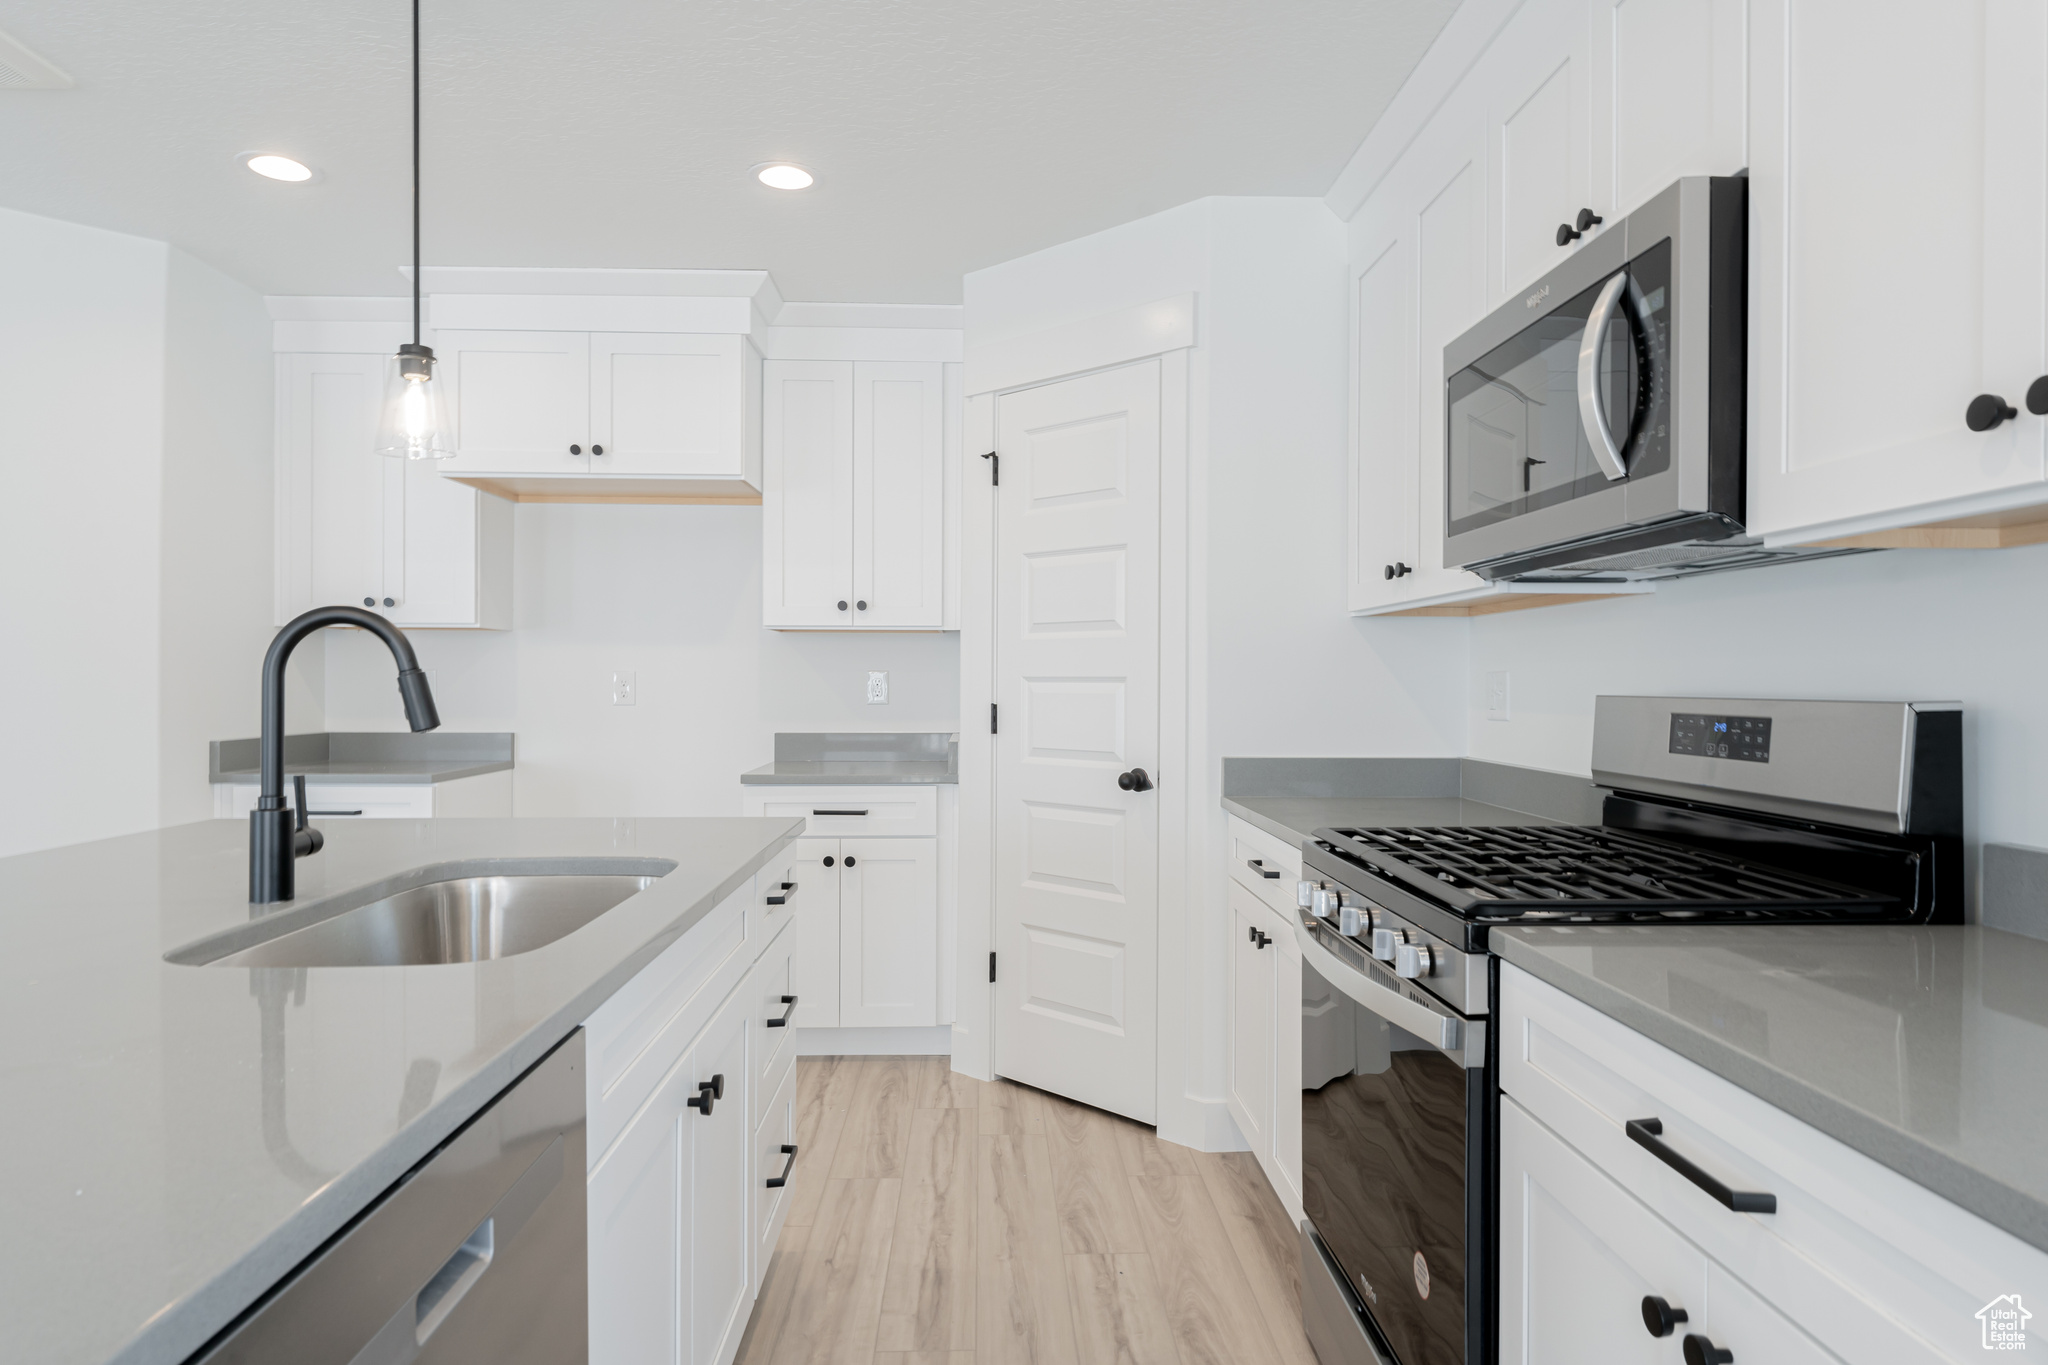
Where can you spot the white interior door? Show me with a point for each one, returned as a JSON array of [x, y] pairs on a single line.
[[1077, 682], [899, 413], [807, 493], [666, 404], [888, 932], [518, 401]]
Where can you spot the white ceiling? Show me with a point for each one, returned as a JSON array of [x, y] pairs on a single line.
[[947, 135]]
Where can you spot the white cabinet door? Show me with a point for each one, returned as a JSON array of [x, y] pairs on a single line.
[[1385, 524], [518, 401], [899, 411], [639, 1203], [814, 965], [1252, 973], [1287, 1013], [1669, 96], [667, 404], [807, 493], [1539, 131], [1898, 253], [1577, 1256], [717, 1228], [888, 932]]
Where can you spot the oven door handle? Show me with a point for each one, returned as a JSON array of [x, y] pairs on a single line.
[[1441, 1029], [1593, 417]]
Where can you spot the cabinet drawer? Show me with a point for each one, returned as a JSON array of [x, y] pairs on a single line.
[[857, 811], [638, 1034], [1253, 852], [772, 990], [1872, 1265], [770, 1203]]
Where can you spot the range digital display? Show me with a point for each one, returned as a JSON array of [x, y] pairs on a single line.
[[1747, 738]]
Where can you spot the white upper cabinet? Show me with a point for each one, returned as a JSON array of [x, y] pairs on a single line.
[[587, 413], [1539, 140], [359, 529], [853, 495], [1897, 190], [1669, 90], [1385, 524]]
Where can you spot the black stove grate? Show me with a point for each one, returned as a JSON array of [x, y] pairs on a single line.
[[1560, 871]]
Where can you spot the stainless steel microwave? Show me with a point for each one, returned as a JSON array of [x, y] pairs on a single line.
[[1593, 425]]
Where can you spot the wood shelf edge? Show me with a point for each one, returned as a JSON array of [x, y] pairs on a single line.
[[1510, 601], [1964, 533], [663, 499]]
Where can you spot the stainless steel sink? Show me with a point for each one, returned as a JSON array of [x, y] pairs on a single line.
[[479, 912]]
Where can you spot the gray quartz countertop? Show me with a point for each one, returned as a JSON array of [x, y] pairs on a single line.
[[880, 759], [177, 1138], [363, 758], [1925, 1048], [1294, 818], [805, 774]]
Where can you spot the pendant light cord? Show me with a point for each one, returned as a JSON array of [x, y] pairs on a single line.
[[415, 172]]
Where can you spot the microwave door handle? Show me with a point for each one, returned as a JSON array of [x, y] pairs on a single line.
[[1592, 416]]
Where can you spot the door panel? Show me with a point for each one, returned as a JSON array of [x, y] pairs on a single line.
[[1077, 649], [718, 1227], [1450, 292], [666, 404], [898, 493], [517, 400], [433, 577], [807, 493], [1539, 126], [332, 410], [1669, 92], [814, 943], [638, 1264], [1386, 522], [888, 932], [1252, 975]]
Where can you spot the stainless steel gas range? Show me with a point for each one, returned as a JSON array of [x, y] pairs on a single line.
[[1717, 812]]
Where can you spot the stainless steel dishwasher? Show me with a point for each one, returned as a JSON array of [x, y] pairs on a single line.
[[478, 1254]]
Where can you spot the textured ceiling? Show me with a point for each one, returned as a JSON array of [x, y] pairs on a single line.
[[946, 136]]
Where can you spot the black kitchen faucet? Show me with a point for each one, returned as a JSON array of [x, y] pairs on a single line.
[[279, 837]]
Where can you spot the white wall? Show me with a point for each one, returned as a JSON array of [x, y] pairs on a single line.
[[1907, 625], [672, 594]]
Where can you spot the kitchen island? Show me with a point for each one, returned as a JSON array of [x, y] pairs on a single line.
[[178, 1138]]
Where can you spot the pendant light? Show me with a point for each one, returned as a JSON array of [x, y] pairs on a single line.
[[411, 426]]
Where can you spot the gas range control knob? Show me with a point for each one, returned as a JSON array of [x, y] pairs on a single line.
[[1385, 942], [1414, 960], [1351, 920], [1304, 894]]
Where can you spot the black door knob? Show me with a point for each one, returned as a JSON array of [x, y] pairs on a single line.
[[842, 606], [1134, 781], [2037, 397], [1660, 1317], [1987, 410], [1700, 1351], [597, 450], [1589, 219], [575, 450], [828, 860]]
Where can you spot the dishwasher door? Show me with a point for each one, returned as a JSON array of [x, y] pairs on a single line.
[[478, 1254]]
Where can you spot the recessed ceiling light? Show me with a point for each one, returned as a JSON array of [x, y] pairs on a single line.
[[783, 175], [277, 167]]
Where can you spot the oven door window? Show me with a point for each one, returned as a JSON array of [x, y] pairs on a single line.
[[1383, 1169], [1515, 440]]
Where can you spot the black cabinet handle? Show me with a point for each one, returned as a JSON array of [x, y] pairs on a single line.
[[860, 606], [702, 1099], [839, 812], [390, 602], [1258, 865], [828, 860], [1648, 1135], [1565, 235], [1660, 1317], [787, 1014], [1134, 781], [1987, 410], [849, 860], [1589, 219], [788, 894], [575, 450], [1700, 1351], [776, 1182], [842, 606], [718, 1085], [597, 450], [1259, 937], [1398, 570], [2037, 397]]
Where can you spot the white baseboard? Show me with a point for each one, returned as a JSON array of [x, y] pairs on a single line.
[[874, 1042], [1204, 1125]]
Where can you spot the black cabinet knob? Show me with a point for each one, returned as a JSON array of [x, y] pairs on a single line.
[[597, 450], [860, 606], [828, 860], [1589, 219], [1987, 410], [2037, 397], [1700, 1351], [1399, 570], [1660, 1317], [369, 601], [1135, 780], [1390, 571], [706, 1095], [849, 860], [575, 450], [390, 602], [842, 606], [1565, 235]]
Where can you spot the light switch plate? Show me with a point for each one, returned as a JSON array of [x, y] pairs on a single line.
[[1497, 695], [878, 689], [623, 690]]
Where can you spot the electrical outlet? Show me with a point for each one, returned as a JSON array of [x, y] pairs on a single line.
[[1497, 695], [878, 689], [623, 690]]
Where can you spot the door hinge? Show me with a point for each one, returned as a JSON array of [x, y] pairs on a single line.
[[995, 468], [992, 718], [991, 967]]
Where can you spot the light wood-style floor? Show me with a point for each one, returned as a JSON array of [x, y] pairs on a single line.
[[938, 1220]]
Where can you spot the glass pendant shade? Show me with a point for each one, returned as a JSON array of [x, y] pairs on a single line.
[[412, 425]]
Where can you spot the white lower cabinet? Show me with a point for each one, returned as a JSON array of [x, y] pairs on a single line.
[[1252, 1025], [678, 1234], [1262, 1081]]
